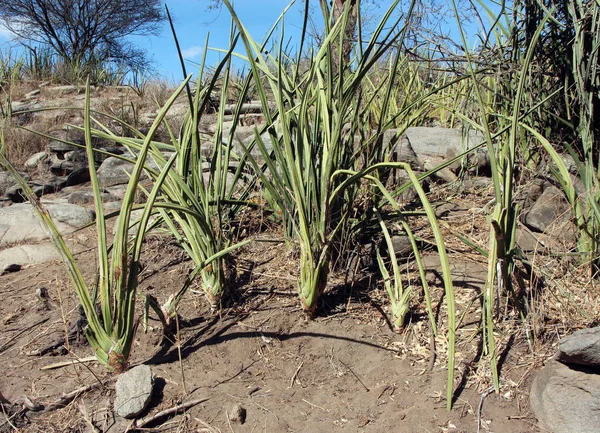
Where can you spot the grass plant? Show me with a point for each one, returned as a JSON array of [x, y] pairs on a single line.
[[110, 329]]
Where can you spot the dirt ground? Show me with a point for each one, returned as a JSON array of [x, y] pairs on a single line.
[[345, 370]]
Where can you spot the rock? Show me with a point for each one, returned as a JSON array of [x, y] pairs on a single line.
[[24, 255], [65, 167], [402, 246], [114, 171], [400, 149], [9, 268], [134, 391], [19, 107], [87, 197], [61, 148], [61, 90], [566, 400], [45, 188], [528, 241], [445, 174], [78, 176], [16, 195], [7, 181], [551, 215], [35, 159], [550, 209], [581, 348], [32, 94], [446, 143], [237, 414], [445, 208], [19, 223]]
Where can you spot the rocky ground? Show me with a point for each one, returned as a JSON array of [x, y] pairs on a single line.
[[260, 365]]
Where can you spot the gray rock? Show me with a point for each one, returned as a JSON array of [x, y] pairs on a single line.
[[86, 196], [581, 348], [61, 148], [550, 210], [19, 223], [566, 400], [7, 181], [237, 414], [400, 149], [19, 107], [78, 176], [35, 159], [65, 167], [61, 90], [445, 174], [445, 143], [9, 268], [114, 171], [134, 391], [24, 255], [32, 94], [445, 209], [402, 246]]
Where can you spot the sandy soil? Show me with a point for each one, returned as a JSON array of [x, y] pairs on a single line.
[[346, 370]]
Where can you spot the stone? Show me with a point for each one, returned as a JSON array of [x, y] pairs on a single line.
[[114, 171], [444, 174], [86, 196], [19, 223], [66, 167], [32, 94], [237, 414], [550, 212], [9, 268], [35, 159], [16, 195], [399, 149], [78, 176], [566, 400], [134, 391], [446, 143], [581, 348], [61, 90], [445, 209], [7, 181], [24, 255], [61, 148], [402, 246]]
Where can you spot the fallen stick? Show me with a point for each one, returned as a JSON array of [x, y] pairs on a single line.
[[68, 363], [142, 422]]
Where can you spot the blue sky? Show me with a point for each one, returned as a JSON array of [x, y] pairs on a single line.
[[193, 22]]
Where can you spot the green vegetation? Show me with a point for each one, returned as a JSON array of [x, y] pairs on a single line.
[[320, 152]]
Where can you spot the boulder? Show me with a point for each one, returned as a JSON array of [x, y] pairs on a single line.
[[446, 143], [551, 209], [566, 400], [7, 181], [35, 159], [114, 171], [581, 348], [134, 391], [19, 223], [23, 255]]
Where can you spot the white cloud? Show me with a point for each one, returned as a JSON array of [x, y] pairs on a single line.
[[191, 52], [6, 34]]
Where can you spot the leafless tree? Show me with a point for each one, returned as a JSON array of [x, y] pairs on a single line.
[[84, 30]]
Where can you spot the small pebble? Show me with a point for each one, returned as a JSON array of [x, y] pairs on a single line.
[[237, 414], [11, 268]]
